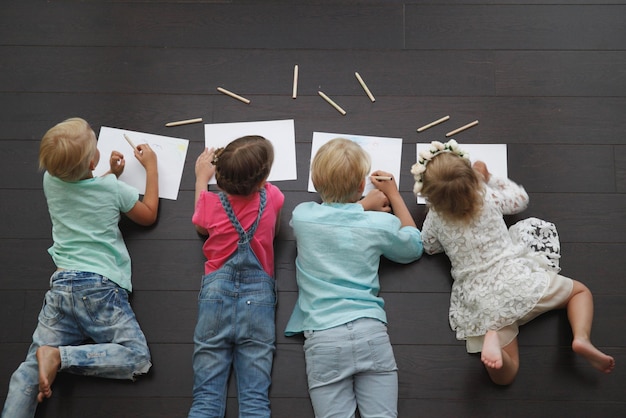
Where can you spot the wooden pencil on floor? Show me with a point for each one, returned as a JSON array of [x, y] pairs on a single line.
[[233, 95], [430, 125], [183, 122], [462, 128]]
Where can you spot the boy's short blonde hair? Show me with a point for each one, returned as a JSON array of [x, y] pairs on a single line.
[[67, 149], [338, 170]]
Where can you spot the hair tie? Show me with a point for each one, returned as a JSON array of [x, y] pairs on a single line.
[[425, 156], [216, 155]]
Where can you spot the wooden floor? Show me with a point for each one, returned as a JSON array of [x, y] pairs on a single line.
[[549, 80]]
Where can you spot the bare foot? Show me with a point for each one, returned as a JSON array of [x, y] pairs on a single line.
[[49, 359], [491, 354], [597, 358]]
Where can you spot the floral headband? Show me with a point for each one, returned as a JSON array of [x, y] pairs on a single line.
[[425, 156]]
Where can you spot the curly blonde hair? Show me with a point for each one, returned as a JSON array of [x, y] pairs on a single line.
[[453, 188], [243, 165], [338, 170], [67, 149]]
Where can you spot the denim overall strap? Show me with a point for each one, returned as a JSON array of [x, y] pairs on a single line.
[[236, 329], [244, 236]]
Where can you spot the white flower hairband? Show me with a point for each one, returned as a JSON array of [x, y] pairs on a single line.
[[425, 156]]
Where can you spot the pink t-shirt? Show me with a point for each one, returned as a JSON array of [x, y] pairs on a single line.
[[222, 240]]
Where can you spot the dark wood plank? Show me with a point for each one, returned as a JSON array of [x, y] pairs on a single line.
[[598, 265], [579, 220], [511, 27], [560, 73], [511, 120], [620, 168], [549, 168], [570, 377], [192, 71], [546, 79], [207, 25]]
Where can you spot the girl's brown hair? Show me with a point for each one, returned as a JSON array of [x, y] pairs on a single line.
[[243, 164], [67, 149], [452, 187]]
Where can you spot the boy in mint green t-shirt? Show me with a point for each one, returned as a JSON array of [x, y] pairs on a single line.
[[88, 296]]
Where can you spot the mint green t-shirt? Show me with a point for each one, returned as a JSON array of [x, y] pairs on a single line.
[[85, 216]]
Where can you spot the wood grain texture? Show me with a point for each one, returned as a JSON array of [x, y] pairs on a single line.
[[546, 79]]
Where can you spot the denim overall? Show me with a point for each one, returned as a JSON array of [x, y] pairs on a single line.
[[236, 326]]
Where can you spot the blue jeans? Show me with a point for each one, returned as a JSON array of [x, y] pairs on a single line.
[[236, 313], [81, 306], [352, 365]]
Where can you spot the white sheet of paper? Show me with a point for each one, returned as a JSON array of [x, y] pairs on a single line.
[[281, 133], [385, 153], [171, 153], [494, 155]]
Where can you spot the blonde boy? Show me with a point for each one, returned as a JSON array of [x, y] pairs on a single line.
[[88, 296], [350, 361]]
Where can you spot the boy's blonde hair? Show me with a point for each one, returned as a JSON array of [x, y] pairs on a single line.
[[338, 170], [452, 187], [67, 149], [243, 165]]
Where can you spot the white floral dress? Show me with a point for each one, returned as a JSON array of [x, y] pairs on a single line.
[[499, 275]]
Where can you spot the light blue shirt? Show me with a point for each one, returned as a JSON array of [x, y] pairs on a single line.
[[339, 250], [85, 216]]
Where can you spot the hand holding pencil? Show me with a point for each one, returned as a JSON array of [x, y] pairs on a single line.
[[147, 161], [146, 156], [390, 189], [384, 182], [117, 163]]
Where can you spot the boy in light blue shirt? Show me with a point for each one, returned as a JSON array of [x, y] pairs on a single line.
[[349, 358]]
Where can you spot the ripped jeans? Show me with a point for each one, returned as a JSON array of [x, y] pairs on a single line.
[[79, 307]]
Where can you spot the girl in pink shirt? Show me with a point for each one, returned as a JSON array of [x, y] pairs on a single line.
[[236, 305]]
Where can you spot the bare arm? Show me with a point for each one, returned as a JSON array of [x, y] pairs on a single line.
[[204, 171], [117, 164], [481, 167], [146, 210], [510, 196], [390, 189]]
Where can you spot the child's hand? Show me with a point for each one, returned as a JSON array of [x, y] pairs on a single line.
[[388, 187], [481, 168], [204, 165], [117, 163], [146, 156], [375, 201]]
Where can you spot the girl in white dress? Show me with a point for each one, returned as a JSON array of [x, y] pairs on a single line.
[[502, 278]]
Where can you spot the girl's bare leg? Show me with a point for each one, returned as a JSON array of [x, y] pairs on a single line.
[[501, 363], [580, 315]]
